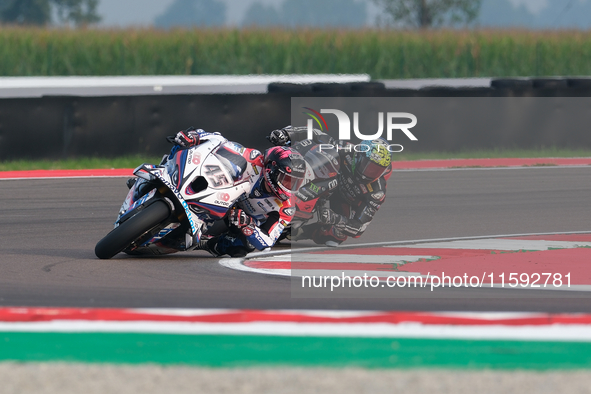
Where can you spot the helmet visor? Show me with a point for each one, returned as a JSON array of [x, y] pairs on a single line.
[[368, 169], [288, 182]]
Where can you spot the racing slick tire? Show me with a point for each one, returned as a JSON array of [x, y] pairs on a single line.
[[130, 230]]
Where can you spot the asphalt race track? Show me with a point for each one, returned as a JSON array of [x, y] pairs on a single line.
[[49, 227]]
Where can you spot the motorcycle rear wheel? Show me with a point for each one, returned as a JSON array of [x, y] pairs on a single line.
[[130, 230]]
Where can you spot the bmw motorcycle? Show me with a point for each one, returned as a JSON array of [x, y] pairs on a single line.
[[170, 207]]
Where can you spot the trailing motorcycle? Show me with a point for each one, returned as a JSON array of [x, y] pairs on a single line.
[[170, 207], [322, 167]]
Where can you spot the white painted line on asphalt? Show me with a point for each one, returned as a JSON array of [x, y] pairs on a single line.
[[64, 177], [383, 275], [237, 263], [404, 243], [423, 241], [501, 244], [349, 258], [489, 168], [555, 332]]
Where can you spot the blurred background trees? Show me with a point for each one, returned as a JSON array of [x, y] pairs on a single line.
[[528, 14], [43, 12], [187, 13], [308, 13], [429, 13], [344, 38]]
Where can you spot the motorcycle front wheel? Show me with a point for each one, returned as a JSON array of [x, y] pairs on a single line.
[[130, 230]]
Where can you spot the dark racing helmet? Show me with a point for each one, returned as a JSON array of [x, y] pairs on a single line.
[[324, 162], [284, 171], [372, 159]]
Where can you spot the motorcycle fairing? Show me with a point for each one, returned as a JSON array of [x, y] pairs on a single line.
[[129, 204], [206, 180], [161, 174]]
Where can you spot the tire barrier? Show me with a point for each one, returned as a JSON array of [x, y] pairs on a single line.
[[109, 126], [512, 83], [368, 86], [289, 88], [579, 83], [65, 127], [538, 83], [549, 83], [332, 88]]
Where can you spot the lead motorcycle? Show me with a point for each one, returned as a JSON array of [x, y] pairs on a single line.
[[170, 207]]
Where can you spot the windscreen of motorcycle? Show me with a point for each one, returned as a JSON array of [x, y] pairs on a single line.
[[233, 161]]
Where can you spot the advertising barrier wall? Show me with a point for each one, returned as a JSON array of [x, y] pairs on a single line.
[[60, 127], [109, 126]]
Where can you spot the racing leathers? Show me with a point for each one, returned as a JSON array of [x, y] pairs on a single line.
[[257, 217], [352, 208], [351, 205], [269, 216]]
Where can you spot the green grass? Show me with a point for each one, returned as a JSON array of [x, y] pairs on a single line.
[[134, 161], [379, 53]]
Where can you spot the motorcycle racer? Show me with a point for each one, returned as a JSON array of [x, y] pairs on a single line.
[[359, 194], [322, 168], [259, 216]]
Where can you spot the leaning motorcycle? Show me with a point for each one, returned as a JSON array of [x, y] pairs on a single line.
[[322, 167], [170, 207]]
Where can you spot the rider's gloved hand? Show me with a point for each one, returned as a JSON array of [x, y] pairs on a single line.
[[239, 218], [328, 216], [279, 137], [187, 138]]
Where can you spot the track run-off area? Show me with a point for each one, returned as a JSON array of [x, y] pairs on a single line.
[[487, 216]]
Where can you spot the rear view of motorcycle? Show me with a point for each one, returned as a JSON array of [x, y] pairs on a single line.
[[170, 207]]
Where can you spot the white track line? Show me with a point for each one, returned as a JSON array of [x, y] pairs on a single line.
[[351, 258], [502, 244], [489, 168], [65, 177], [237, 263], [555, 332], [404, 243]]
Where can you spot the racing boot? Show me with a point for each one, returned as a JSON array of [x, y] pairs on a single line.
[[208, 246], [226, 244], [327, 235]]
